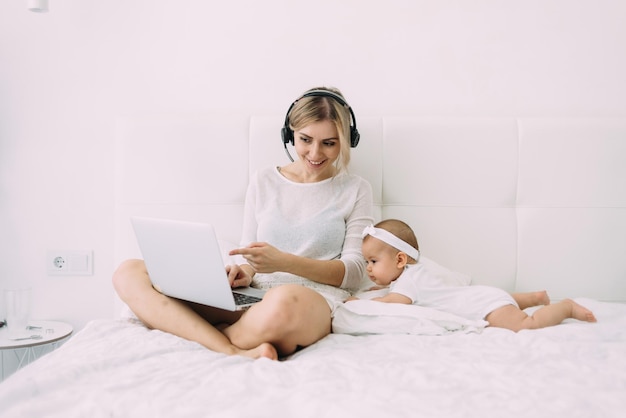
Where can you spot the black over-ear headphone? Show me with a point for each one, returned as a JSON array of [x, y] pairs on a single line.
[[287, 133]]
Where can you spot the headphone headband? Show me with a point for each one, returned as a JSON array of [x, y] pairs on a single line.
[[287, 133], [323, 93]]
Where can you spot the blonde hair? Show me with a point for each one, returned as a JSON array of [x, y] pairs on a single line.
[[312, 109]]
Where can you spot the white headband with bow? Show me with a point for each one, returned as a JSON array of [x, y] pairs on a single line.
[[391, 239]]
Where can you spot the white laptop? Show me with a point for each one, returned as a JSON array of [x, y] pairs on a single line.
[[184, 261]]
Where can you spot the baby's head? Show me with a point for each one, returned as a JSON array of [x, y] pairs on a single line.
[[388, 247]]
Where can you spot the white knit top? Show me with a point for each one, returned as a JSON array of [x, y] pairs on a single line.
[[322, 220]]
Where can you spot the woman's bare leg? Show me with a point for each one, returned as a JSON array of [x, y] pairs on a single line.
[[290, 316], [132, 283], [511, 317], [530, 299]]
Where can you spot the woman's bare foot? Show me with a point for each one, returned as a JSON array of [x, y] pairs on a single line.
[[580, 312], [266, 350]]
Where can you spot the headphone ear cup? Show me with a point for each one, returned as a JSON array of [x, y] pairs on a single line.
[[287, 135], [355, 136]]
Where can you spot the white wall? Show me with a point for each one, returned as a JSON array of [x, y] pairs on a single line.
[[67, 75]]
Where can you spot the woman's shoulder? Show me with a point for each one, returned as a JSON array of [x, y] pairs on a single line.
[[264, 173], [348, 175], [354, 179]]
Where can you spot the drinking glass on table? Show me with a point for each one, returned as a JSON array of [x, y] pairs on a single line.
[[18, 305]]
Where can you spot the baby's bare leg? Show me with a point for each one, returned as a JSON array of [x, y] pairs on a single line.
[[510, 317], [530, 299]]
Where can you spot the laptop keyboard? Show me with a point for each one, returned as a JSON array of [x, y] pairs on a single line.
[[241, 299]]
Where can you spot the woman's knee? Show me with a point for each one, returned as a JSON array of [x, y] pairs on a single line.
[[298, 311], [124, 274], [279, 306]]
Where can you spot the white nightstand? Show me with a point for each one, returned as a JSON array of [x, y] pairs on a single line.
[[46, 336]]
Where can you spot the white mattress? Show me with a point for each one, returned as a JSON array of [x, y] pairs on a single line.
[[120, 368]]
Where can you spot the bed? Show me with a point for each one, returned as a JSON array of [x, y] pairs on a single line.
[[522, 204], [120, 368]]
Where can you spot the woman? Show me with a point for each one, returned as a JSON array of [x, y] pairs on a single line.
[[301, 242]]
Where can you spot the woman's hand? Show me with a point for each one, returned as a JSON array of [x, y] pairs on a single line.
[[237, 276], [263, 257]]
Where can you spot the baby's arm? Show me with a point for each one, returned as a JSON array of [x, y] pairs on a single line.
[[394, 298]]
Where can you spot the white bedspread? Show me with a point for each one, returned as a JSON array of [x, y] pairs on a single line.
[[121, 369]]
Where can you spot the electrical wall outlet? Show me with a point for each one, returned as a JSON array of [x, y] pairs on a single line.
[[69, 263]]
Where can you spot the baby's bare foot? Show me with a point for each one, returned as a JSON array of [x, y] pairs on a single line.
[[542, 297], [580, 312]]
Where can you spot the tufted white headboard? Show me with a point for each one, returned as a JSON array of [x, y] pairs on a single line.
[[522, 204]]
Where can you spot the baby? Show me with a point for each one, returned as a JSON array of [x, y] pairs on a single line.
[[392, 254]]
